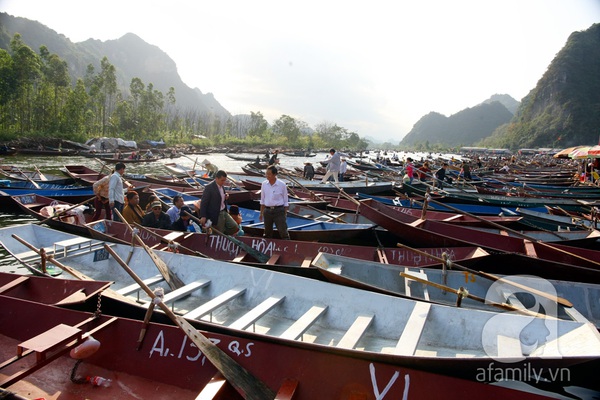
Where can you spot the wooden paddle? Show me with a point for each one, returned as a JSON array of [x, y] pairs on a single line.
[[465, 293], [492, 277], [40, 174], [243, 381], [172, 280], [34, 183], [64, 211], [517, 233]]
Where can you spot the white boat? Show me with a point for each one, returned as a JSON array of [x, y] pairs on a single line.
[[425, 284], [250, 301]]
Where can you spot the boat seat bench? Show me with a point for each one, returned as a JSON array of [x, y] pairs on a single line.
[[76, 243], [356, 331], [407, 344], [256, 313], [302, 324], [183, 291], [215, 303], [127, 290]]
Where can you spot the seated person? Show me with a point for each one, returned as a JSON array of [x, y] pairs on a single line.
[[157, 218], [184, 222], [234, 211], [132, 212]]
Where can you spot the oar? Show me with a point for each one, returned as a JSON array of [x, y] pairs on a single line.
[[243, 381], [40, 174], [491, 277], [34, 183], [171, 242], [172, 279], [64, 211], [521, 235], [260, 256], [462, 292]]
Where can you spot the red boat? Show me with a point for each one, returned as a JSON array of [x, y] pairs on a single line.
[[166, 364]]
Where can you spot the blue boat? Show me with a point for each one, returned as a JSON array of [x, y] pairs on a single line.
[[74, 195]]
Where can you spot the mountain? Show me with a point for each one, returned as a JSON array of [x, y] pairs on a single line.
[[506, 100], [464, 128], [564, 108], [131, 56]]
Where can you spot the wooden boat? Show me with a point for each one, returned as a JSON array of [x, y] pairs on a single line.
[[299, 153], [419, 232], [264, 304], [128, 160], [385, 278], [74, 196], [181, 171], [88, 176], [549, 221], [352, 187], [49, 152], [250, 159], [153, 372], [305, 229], [280, 252], [504, 201], [41, 208], [17, 174]]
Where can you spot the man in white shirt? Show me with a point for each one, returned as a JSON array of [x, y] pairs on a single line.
[[116, 195], [333, 165], [343, 169], [274, 204]]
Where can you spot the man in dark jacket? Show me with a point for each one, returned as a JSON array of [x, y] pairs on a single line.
[[157, 218], [213, 206]]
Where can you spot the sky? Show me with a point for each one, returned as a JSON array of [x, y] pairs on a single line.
[[374, 68]]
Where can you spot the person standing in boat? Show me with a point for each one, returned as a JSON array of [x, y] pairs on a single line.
[[116, 195], [100, 189], [132, 212], [409, 168], [333, 165], [274, 204], [343, 169], [213, 206], [465, 171], [309, 171], [274, 160], [440, 176]]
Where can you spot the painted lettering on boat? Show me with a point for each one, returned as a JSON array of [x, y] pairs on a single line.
[[338, 251], [403, 256], [187, 350], [221, 244], [381, 395]]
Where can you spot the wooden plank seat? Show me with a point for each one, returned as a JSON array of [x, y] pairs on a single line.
[[273, 260], [240, 257], [212, 388], [302, 324], [256, 313], [307, 262], [356, 331], [173, 236], [127, 290], [69, 244], [13, 283], [183, 291], [50, 339], [421, 275], [211, 305], [287, 389], [407, 344]]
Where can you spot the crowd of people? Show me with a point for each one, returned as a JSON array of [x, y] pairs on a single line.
[[117, 198]]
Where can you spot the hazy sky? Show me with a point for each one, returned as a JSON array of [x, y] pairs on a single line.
[[374, 67]]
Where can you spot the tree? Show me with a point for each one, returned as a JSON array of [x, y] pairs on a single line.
[[287, 127]]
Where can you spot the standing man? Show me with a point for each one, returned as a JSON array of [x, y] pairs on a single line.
[[132, 212], [213, 206], [274, 204], [274, 160], [175, 209], [333, 165], [116, 195], [309, 170], [440, 176], [343, 169]]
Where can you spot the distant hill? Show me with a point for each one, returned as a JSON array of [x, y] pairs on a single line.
[[464, 128], [506, 100], [131, 56], [564, 108]]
